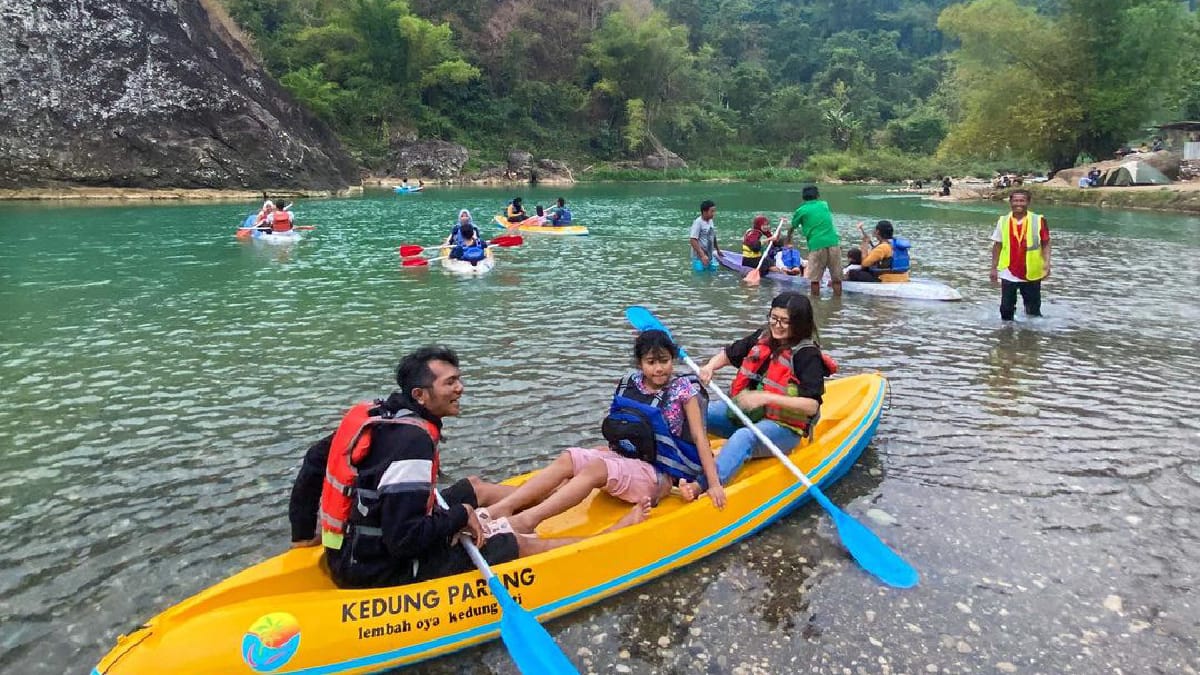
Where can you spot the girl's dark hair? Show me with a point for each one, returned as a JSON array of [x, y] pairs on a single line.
[[854, 256], [801, 325], [651, 341]]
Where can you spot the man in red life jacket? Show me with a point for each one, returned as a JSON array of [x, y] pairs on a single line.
[[374, 479], [281, 220]]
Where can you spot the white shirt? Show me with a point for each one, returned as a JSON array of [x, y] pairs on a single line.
[[705, 234]]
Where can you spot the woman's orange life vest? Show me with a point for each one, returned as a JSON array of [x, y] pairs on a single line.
[[778, 378], [351, 443], [281, 221]]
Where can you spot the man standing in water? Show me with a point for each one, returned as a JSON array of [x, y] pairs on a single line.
[[1020, 256], [703, 238], [824, 251]]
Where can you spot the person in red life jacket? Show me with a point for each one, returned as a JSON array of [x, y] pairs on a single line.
[[373, 480], [1020, 256], [780, 382], [281, 219], [650, 427], [756, 242]]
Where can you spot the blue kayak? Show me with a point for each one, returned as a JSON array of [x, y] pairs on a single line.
[[403, 190]]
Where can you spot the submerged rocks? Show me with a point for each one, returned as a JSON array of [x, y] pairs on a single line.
[[150, 94]]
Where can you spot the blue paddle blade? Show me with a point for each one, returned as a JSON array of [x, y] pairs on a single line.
[[868, 549], [531, 647], [643, 319]]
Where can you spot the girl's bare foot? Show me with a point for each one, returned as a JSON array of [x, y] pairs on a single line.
[[635, 515], [690, 491], [521, 525]]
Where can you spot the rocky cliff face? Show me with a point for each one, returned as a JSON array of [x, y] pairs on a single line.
[[149, 94]]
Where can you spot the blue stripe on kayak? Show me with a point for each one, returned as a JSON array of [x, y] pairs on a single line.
[[846, 456]]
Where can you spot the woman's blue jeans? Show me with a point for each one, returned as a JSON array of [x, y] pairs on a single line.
[[742, 443]]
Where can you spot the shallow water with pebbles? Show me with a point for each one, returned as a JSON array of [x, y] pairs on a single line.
[[162, 380]]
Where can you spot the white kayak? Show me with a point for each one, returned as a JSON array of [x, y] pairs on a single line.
[[464, 268], [289, 237], [914, 289]]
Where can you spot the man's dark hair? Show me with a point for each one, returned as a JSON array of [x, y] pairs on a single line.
[[1027, 193], [884, 228], [414, 370], [809, 193], [706, 205]]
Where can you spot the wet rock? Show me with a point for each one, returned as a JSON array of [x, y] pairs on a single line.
[[622, 668], [963, 607], [599, 639], [664, 641], [519, 161], [1006, 667], [151, 95], [663, 159], [881, 517], [583, 652], [1113, 603], [427, 159], [963, 647], [870, 616]]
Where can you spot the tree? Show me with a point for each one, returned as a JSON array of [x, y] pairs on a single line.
[[1052, 88], [638, 54]]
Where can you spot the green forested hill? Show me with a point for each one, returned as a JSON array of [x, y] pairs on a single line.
[[737, 82]]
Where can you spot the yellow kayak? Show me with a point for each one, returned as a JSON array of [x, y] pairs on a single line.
[[535, 225], [286, 616]]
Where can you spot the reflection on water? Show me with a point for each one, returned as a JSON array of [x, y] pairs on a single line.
[[163, 379]]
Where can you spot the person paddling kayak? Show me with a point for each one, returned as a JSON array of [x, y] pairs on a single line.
[[365, 492]]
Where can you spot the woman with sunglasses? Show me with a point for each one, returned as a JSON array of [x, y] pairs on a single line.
[[779, 384]]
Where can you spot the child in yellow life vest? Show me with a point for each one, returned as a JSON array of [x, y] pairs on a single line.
[[780, 382]]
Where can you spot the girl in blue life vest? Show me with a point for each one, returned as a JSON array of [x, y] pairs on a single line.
[[629, 469], [470, 247], [455, 238], [780, 382]]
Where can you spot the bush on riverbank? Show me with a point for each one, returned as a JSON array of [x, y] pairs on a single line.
[[886, 166]]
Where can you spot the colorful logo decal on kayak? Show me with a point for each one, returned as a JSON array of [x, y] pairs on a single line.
[[271, 641]]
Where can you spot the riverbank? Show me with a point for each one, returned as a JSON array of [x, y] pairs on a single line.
[[1182, 197], [166, 194]]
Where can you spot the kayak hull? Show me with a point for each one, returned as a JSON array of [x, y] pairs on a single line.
[[915, 289], [406, 190], [536, 225], [466, 269], [285, 615], [289, 237]]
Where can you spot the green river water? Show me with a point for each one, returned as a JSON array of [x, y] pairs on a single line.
[[164, 378]]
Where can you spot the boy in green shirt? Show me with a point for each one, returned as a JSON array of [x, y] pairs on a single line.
[[824, 252]]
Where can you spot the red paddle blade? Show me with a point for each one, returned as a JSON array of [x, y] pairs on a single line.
[[507, 240], [414, 262], [753, 277], [410, 250]]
